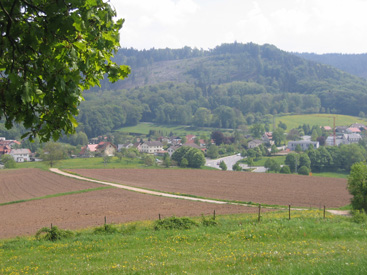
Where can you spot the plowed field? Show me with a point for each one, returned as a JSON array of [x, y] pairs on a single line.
[[23, 184], [263, 188], [78, 211]]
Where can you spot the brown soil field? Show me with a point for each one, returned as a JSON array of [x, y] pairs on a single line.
[[84, 210], [22, 184], [275, 189]]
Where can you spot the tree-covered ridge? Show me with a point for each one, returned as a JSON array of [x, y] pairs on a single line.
[[229, 86], [355, 64]]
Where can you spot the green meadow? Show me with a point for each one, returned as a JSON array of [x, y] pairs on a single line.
[[234, 244], [143, 128], [293, 121]]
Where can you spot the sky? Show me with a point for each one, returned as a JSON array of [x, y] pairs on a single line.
[[317, 26]]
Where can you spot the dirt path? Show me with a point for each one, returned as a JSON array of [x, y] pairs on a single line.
[[140, 190]]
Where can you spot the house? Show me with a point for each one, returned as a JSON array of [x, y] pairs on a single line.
[[327, 128], [4, 149], [9, 142], [151, 147], [88, 150], [351, 138], [305, 144], [268, 138], [126, 146], [172, 149], [341, 129], [353, 130], [20, 155], [106, 148], [330, 141], [254, 143]]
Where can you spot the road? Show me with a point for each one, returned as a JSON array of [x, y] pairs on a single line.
[[229, 161]]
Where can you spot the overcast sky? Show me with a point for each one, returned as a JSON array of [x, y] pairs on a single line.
[[319, 26]]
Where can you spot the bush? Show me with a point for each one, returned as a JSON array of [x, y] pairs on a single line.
[[174, 223], [223, 166], [208, 221], [359, 216], [303, 171], [285, 170], [105, 229], [53, 234], [236, 167]]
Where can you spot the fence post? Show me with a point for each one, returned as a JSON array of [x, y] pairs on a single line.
[[159, 216], [51, 225], [289, 212], [259, 218], [105, 220], [214, 215], [324, 211]]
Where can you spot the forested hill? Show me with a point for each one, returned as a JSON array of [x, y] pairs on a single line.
[[228, 86], [351, 63]]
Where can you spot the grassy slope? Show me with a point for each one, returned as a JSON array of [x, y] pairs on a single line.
[[307, 244], [293, 121]]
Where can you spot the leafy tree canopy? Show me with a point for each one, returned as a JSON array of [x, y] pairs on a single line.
[[50, 51]]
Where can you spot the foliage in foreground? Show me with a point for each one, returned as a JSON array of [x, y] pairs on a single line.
[[238, 244]]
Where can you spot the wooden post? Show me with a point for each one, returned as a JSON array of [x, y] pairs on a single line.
[[51, 225], [214, 215], [159, 216], [105, 220], [324, 211], [259, 218], [289, 212]]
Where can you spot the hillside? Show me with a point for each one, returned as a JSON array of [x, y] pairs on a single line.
[[355, 64], [228, 86]]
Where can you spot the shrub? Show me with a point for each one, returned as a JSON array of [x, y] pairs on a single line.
[[208, 221], [236, 167], [53, 234], [174, 223], [105, 229], [285, 170], [303, 171], [359, 216], [223, 166]]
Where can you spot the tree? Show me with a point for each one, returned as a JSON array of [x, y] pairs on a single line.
[[278, 136], [218, 137], [357, 186], [257, 130], [274, 149], [52, 153], [272, 165], [166, 160], [304, 160], [282, 125], [8, 161], [292, 161], [303, 170], [195, 158], [184, 163], [212, 152], [285, 170], [298, 148], [236, 167], [50, 52], [149, 160], [223, 165]]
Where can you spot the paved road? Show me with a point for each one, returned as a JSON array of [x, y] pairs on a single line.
[[229, 161]]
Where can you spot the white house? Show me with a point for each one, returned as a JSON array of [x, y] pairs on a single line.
[[351, 138], [20, 155], [305, 144], [254, 143], [151, 147]]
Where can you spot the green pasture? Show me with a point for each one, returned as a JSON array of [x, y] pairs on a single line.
[[143, 128], [237, 244], [293, 121]]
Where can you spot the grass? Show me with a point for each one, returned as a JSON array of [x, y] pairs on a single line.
[[237, 244], [293, 121], [143, 128], [261, 162]]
